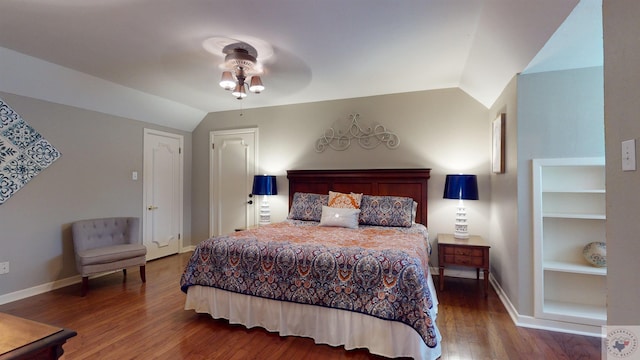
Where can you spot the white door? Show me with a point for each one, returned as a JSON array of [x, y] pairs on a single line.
[[163, 175], [233, 164]]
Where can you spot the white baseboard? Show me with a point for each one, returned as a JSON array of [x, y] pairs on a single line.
[[525, 320], [57, 284], [39, 289], [542, 324], [185, 249]]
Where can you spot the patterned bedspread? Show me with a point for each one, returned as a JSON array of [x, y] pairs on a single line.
[[379, 271]]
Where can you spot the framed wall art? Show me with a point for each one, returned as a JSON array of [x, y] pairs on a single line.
[[24, 153], [497, 159]]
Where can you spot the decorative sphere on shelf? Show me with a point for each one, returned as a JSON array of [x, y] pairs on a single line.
[[596, 253]]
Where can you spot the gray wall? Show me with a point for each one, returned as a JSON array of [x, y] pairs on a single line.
[[445, 130], [505, 264], [560, 114], [91, 179], [622, 106]]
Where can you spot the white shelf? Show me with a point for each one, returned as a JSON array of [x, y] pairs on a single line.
[[575, 268], [575, 191], [575, 310], [575, 216], [569, 211]]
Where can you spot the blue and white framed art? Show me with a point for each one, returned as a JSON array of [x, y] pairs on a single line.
[[24, 153]]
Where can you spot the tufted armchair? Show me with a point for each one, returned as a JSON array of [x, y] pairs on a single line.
[[107, 244]]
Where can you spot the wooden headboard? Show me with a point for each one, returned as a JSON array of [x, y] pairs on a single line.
[[400, 182]]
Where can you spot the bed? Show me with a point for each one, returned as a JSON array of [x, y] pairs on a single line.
[[357, 278]]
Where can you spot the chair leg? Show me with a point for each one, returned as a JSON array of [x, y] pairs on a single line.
[[142, 274], [85, 286]]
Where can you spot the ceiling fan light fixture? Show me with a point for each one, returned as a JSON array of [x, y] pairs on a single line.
[[240, 62], [239, 91], [256, 85], [227, 81]]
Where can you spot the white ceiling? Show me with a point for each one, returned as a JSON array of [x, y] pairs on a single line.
[[144, 59]]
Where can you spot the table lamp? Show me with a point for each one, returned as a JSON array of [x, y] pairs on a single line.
[[264, 185], [461, 187]]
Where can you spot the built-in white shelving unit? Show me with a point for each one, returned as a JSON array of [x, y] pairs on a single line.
[[569, 212]]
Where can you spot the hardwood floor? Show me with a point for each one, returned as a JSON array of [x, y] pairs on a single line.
[[132, 320]]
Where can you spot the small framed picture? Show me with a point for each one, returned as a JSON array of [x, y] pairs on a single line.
[[498, 143]]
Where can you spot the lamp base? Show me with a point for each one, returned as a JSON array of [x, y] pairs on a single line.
[[265, 212], [461, 234], [461, 222]]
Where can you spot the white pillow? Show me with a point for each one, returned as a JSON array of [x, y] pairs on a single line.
[[339, 217]]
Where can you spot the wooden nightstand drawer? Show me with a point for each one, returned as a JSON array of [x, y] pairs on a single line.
[[451, 250], [465, 260]]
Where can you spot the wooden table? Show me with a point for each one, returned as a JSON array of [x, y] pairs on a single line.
[[471, 252], [26, 339]]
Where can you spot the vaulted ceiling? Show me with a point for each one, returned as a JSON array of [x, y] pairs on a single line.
[[145, 59]]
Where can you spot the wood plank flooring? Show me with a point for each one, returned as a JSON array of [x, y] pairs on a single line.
[[131, 320]]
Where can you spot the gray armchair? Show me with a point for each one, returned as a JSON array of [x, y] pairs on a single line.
[[108, 244]]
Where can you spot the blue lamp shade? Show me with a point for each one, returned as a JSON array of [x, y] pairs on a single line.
[[264, 185], [461, 187]]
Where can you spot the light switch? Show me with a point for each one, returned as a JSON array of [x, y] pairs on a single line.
[[134, 175], [629, 155]]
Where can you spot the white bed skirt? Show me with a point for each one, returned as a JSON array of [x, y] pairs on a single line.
[[324, 325]]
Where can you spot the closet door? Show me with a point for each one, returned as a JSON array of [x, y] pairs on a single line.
[[233, 165], [163, 174]]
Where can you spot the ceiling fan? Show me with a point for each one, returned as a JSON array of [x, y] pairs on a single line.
[[241, 69], [240, 62]]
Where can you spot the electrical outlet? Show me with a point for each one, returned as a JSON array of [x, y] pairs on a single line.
[[4, 267], [629, 155]]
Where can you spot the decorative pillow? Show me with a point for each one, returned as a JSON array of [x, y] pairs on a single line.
[[386, 211], [347, 201], [307, 206], [340, 217], [414, 212]]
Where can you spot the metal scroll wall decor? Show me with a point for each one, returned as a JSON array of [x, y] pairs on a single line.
[[367, 137], [24, 153]]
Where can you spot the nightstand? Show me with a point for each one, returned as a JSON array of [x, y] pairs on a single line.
[[471, 252]]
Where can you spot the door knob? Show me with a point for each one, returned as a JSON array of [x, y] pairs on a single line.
[[250, 202], [151, 207]]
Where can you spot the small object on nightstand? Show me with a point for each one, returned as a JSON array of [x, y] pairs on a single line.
[[471, 252]]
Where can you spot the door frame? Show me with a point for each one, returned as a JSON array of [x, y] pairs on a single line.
[[212, 134], [145, 175]]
